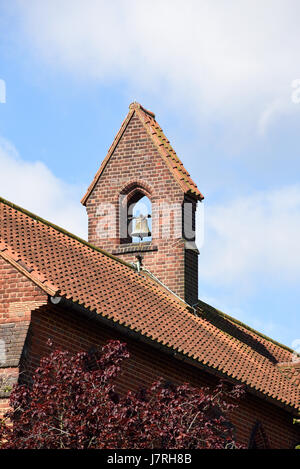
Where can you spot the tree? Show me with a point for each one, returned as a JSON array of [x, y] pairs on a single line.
[[72, 403]]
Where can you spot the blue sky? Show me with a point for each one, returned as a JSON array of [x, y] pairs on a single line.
[[222, 80]]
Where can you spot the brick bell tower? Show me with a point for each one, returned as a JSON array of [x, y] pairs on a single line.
[[142, 172]]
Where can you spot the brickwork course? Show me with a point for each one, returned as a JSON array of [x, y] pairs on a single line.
[[80, 294]]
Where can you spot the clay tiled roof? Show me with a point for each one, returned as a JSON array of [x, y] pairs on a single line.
[[292, 371], [62, 264], [163, 146]]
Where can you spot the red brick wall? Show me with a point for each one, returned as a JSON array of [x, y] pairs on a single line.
[[136, 164], [73, 332], [18, 297]]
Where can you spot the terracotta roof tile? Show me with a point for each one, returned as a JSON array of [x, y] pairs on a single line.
[[163, 146], [292, 371], [90, 277]]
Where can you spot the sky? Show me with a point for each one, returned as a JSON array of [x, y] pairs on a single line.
[[223, 78]]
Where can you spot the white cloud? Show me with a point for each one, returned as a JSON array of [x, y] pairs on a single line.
[[253, 241], [33, 186], [222, 58]]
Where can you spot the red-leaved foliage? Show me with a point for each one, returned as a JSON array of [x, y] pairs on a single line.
[[72, 403]]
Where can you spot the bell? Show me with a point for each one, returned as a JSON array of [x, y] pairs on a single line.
[[141, 229]]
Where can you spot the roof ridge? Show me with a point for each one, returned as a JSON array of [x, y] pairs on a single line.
[[237, 321], [63, 231], [136, 105]]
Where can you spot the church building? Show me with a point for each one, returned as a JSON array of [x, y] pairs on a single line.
[[136, 280]]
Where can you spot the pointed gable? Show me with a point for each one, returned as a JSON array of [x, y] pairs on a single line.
[[160, 142]]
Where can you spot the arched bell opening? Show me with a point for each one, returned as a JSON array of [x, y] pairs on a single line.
[[139, 219], [135, 216]]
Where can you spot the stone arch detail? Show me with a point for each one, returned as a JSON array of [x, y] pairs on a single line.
[[130, 189]]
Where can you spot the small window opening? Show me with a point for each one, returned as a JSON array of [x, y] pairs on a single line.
[[140, 220]]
